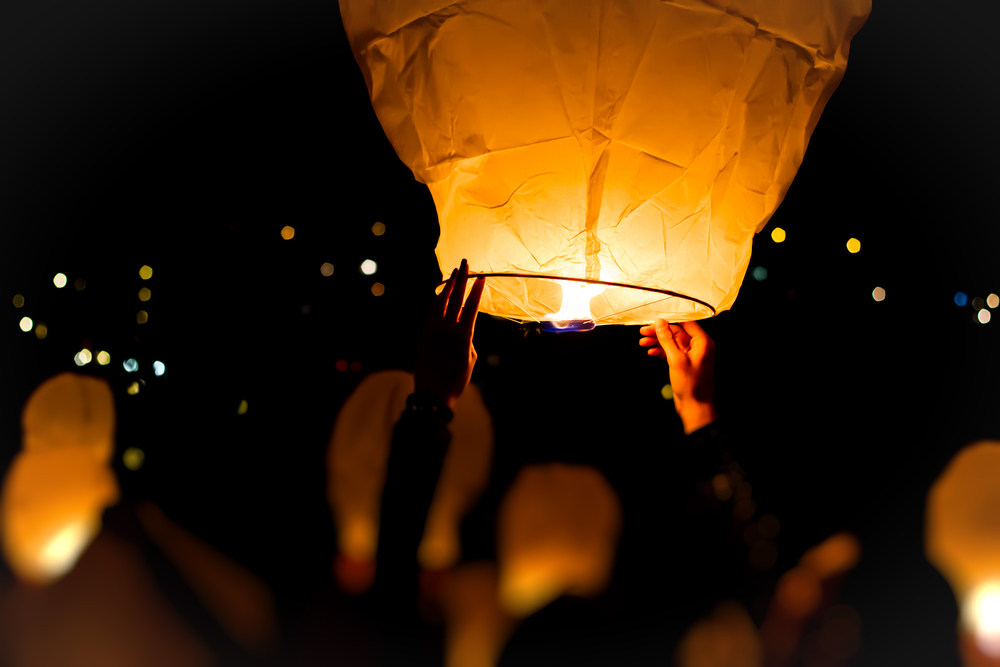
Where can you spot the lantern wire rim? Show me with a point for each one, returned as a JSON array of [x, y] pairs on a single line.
[[655, 290]]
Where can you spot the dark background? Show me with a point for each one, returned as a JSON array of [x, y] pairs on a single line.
[[184, 135]]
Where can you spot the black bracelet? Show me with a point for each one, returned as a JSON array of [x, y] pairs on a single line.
[[425, 404]]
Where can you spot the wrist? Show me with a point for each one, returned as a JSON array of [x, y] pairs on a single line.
[[695, 415]]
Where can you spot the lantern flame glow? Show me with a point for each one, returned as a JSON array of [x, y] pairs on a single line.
[[981, 613], [61, 552], [575, 307]]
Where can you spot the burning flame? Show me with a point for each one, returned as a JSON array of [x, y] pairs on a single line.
[[982, 614], [576, 298]]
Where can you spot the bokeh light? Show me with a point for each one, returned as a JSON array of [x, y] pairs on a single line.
[[368, 267], [26, 324], [287, 232], [41, 331], [760, 273], [142, 317], [18, 300], [961, 298], [493, 360], [778, 235], [853, 245], [341, 365], [326, 269], [159, 368], [878, 294], [243, 407], [993, 301], [103, 358], [978, 303], [82, 358], [146, 272], [59, 280], [144, 294], [982, 612], [133, 389], [984, 316], [131, 365], [133, 458], [378, 229], [356, 366], [79, 284], [378, 289]]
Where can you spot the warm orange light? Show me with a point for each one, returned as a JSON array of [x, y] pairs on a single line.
[[853, 246], [378, 289], [778, 235], [287, 232], [70, 410], [641, 143]]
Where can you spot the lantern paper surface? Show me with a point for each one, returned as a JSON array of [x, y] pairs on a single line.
[[557, 533], [635, 146], [70, 410], [359, 452]]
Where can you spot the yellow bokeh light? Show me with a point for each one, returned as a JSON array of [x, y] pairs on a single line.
[[378, 289], [59, 280], [103, 358], [326, 269], [133, 458], [667, 392], [984, 316], [18, 300], [83, 357], [80, 284], [993, 301], [26, 324], [41, 331], [378, 229], [133, 389], [287, 232], [242, 410], [878, 294], [146, 272], [144, 294], [142, 317], [778, 235], [853, 245]]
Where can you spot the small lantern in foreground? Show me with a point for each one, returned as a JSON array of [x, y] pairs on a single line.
[[602, 161], [963, 539], [70, 410], [557, 534]]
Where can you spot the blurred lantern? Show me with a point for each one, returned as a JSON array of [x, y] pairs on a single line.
[[557, 533], [728, 638], [476, 627], [602, 161], [963, 539], [58, 486], [70, 410], [356, 463]]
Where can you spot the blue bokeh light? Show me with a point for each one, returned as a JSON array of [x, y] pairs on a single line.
[[760, 273], [159, 368], [961, 298], [131, 365]]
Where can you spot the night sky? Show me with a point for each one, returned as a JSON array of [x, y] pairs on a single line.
[[185, 135]]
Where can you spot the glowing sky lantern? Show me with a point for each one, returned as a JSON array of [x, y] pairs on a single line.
[[635, 147], [963, 539], [557, 533], [359, 451], [58, 486]]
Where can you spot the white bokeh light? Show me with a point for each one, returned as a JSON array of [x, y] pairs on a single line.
[[368, 267]]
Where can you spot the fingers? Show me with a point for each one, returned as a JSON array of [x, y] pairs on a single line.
[[701, 343], [441, 302], [666, 336], [455, 303], [471, 307]]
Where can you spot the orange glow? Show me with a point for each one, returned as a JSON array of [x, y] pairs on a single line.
[[538, 129], [326, 269], [476, 626], [728, 638], [378, 229], [798, 592], [853, 246], [778, 235], [287, 232], [378, 289], [70, 410], [835, 555], [575, 303], [355, 577], [557, 533]]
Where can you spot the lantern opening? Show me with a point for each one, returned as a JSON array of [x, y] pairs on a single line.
[[982, 614]]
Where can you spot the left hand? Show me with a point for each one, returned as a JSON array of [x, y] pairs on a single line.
[[446, 356]]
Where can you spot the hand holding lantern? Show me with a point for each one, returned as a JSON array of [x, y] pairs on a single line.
[[446, 356], [690, 353]]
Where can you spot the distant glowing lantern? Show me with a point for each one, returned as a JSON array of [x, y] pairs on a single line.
[[557, 533], [356, 463], [70, 410], [602, 161], [728, 638], [52, 505], [963, 539], [476, 627]]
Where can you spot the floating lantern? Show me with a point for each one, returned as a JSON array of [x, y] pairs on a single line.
[[557, 533], [476, 627], [70, 410], [963, 539], [356, 463], [602, 161]]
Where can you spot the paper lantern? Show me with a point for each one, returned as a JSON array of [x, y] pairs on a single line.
[[70, 410], [557, 533], [52, 505], [963, 538], [476, 627], [359, 452], [728, 638], [602, 161]]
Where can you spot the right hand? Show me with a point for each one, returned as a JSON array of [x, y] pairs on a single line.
[[690, 353]]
